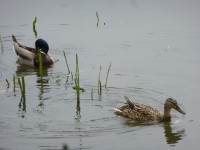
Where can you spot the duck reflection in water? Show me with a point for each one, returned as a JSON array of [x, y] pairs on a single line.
[[172, 134], [22, 106], [173, 137], [26, 70]]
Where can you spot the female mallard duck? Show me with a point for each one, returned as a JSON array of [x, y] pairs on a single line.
[[29, 55], [144, 113]]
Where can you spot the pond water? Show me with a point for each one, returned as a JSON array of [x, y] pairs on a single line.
[[153, 47]]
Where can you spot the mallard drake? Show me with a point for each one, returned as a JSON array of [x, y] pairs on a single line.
[[144, 113], [29, 55]]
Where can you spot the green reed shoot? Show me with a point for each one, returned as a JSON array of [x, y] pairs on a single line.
[[34, 29], [77, 80], [107, 75], [14, 84], [99, 82], [92, 94], [22, 85], [97, 15], [1, 43], [66, 62], [40, 63]]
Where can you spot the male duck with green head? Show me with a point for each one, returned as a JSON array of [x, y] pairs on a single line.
[[29, 55]]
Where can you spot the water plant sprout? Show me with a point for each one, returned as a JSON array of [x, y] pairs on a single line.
[[107, 75], [77, 83], [34, 29], [14, 84], [21, 83], [66, 62], [40, 64], [99, 82], [97, 15], [1, 43]]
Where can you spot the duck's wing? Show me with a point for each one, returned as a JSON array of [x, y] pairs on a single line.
[[24, 52], [124, 110], [141, 112]]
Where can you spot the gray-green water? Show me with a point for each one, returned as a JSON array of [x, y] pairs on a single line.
[[153, 46]]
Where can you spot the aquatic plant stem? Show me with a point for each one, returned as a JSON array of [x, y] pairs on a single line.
[[97, 15], [66, 62], [77, 80], [40, 64], [107, 75], [1, 43], [14, 84], [8, 84], [22, 85], [34, 29], [99, 82]]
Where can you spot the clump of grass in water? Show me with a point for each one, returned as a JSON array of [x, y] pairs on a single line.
[[22, 85], [107, 75], [99, 82], [34, 29]]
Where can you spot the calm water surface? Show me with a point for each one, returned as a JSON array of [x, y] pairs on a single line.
[[153, 47]]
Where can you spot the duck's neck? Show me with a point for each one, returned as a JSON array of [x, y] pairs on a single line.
[[167, 115]]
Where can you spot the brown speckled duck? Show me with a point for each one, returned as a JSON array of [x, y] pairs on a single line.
[[144, 113]]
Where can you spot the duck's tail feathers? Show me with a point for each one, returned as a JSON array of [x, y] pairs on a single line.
[[129, 102], [118, 112], [117, 109], [14, 39], [22, 51]]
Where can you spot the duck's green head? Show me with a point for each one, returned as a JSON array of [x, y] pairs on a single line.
[[42, 45]]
